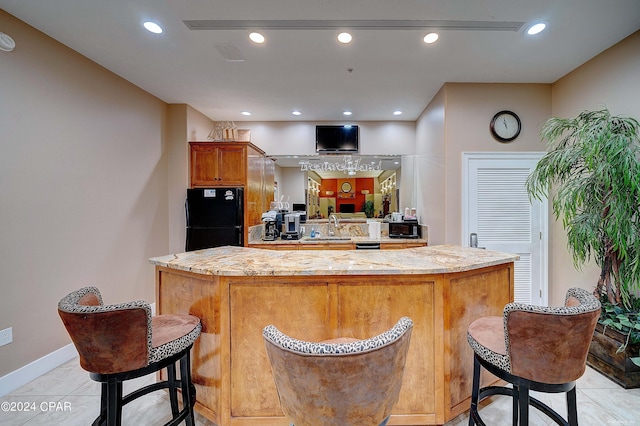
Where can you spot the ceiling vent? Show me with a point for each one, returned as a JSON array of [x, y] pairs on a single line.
[[376, 24], [229, 52]]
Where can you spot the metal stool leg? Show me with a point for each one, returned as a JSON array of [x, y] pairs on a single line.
[[185, 380], [475, 390], [113, 400], [173, 391], [572, 407], [515, 405], [523, 396]]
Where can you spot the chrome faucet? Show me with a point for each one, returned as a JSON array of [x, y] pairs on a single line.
[[333, 218]]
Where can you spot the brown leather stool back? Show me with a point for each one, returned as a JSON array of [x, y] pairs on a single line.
[[340, 382], [534, 348], [123, 341], [109, 339]]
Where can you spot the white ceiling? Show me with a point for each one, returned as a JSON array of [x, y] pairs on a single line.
[[307, 69]]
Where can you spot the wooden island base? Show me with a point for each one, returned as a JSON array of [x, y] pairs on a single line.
[[230, 365]]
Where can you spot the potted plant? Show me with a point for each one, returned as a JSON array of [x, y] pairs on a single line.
[[592, 172], [367, 208]]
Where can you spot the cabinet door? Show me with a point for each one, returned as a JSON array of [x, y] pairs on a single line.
[[269, 183], [204, 165], [299, 308], [254, 183], [213, 164], [369, 306], [392, 246], [232, 166]]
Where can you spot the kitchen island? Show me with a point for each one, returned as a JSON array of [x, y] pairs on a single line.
[[318, 295]]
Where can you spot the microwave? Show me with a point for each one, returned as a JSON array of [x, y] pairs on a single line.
[[404, 229]]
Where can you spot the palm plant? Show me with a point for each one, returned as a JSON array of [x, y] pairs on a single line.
[[593, 166], [367, 208]]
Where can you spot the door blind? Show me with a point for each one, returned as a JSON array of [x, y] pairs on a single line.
[[504, 217], [504, 210], [522, 279]]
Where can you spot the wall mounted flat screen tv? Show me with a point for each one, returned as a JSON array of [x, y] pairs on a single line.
[[336, 139]]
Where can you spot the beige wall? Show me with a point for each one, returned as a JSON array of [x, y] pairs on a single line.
[[431, 164], [457, 121], [184, 124], [83, 197], [469, 109], [298, 138], [611, 79]]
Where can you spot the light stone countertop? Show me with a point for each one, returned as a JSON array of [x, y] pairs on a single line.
[[243, 261]]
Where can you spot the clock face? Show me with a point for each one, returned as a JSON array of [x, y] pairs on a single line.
[[505, 126]]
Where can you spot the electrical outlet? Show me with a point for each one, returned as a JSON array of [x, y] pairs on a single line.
[[6, 336]]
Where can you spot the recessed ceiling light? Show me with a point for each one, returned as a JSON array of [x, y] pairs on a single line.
[[536, 28], [152, 27], [256, 37], [344, 38], [431, 38], [347, 113], [397, 112], [296, 113], [245, 113]]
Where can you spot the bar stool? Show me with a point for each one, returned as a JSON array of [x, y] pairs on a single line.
[[122, 342], [339, 382], [534, 348]]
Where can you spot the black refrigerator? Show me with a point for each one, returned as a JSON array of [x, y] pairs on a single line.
[[214, 218]]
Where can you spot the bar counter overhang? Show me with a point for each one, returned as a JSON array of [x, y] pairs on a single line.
[[318, 295]]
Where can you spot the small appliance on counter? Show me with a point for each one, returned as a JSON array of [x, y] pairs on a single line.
[[291, 227], [271, 231], [396, 217], [301, 210], [410, 214], [405, 229]]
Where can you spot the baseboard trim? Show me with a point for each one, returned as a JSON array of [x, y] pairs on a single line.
[[35, 369], [23, 375]]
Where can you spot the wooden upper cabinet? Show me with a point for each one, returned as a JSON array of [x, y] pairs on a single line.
[[218, 164], [232, 164]]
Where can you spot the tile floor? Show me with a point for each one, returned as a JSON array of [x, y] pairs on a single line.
[[67, 396]]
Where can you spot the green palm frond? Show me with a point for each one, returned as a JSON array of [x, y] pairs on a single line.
[[593, 167]]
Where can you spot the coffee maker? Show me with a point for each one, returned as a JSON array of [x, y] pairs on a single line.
[[271, 230], [291, 227]]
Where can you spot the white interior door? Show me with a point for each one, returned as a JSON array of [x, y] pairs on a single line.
[[496, 207]]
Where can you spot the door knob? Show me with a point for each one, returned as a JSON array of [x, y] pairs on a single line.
[[473, 241]]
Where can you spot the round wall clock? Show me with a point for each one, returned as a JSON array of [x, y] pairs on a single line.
[[345, 187], [505, 126]]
